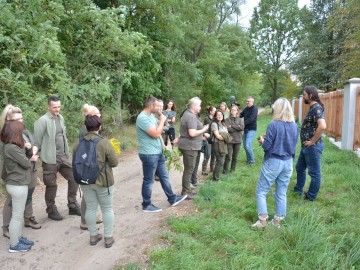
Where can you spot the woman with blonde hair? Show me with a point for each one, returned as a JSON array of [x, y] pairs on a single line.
[[87, 110], [225, 110], [10, 114], [279, 146]]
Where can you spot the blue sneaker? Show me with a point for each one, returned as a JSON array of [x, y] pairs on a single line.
[[151, 209], [25, 241], [19, 247], [178, 200]]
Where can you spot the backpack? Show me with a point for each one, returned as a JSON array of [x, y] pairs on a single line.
[[85, 164]]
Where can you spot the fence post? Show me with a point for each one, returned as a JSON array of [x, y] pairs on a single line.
[[293, 105], [349, 108], [300, 109]]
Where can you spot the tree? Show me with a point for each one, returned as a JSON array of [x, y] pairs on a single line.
[[276, 31], [316, 63]]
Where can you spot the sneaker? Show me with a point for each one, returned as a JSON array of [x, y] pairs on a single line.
[[277, 225], [95, 239], [30, 222], [307, 198], [6, 232], [25, 241], [19, 247], [151, 209], [205, 173], [258, 225], [178, 200], [54, 215], [190, 195], [83, 226]]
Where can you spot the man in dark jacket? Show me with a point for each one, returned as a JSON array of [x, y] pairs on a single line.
[[250, 117]]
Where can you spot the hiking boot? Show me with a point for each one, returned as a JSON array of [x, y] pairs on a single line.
[[54, 215], [95, 239], [83, 226], [6, 232], [75, 211], [109, 241], [30, 222], [205, 173], [189, 195], [25, 241], [151, 209], [19, 247], [178, 200]]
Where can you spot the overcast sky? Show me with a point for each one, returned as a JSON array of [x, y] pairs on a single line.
[[247, 10]]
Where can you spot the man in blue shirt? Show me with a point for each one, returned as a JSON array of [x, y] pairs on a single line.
[[149, 130], [250, 117], [312, 145]]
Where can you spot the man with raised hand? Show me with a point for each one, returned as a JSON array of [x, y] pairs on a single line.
[[149, 130]]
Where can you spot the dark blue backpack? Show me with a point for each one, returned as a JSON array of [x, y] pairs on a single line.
[[85, 164]]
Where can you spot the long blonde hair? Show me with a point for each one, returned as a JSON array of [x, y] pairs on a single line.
[[7, 113], [283, 110]]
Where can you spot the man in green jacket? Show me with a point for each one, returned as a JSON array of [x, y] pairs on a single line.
[[50, 138]]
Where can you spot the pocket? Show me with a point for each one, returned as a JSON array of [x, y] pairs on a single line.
[[273, 164]]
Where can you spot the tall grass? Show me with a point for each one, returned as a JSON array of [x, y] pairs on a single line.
[[323, 234]]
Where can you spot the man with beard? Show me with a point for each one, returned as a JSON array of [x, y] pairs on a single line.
[[312, 145]]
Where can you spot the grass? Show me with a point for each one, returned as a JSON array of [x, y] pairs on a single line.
[[323, 234]]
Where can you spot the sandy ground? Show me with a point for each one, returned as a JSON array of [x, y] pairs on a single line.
[[62, 245]]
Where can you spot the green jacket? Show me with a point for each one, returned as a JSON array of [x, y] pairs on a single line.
[[104, 151], [16, 165], [44, 134]]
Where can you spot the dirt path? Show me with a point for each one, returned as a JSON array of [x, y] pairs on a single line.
[[62, 245]]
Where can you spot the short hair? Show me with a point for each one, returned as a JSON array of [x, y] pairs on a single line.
[[92, 122], [53, 98], [283, 110], [193, 101], [8, 112], [89, 110], [12, 133], [150, 101], [234, 106], [250, 97]]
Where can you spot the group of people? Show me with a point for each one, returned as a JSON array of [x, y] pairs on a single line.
[[219, 137], [19, 151], [222, 132]]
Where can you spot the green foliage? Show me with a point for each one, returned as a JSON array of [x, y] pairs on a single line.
[[315, 235], [275, 32], [317, 62]]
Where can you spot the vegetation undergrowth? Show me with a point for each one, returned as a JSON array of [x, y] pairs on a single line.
[[315, 235]]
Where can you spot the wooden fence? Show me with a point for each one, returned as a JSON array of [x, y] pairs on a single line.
[[334, 113]]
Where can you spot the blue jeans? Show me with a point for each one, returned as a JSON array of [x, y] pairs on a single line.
[[278, 171], [248, 139], [155, 164], [310, 158]]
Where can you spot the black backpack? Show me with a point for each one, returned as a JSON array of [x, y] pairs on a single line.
[[85, 164]]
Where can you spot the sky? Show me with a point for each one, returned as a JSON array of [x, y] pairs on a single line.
[[247, 10]]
